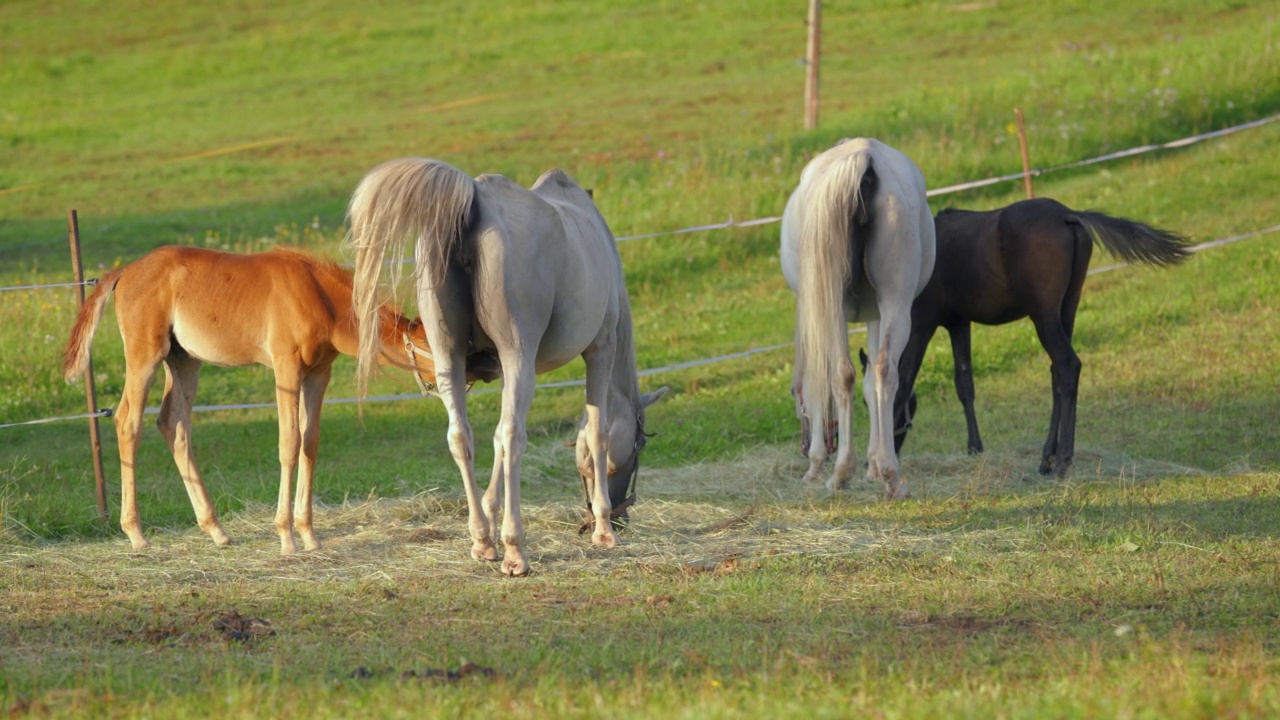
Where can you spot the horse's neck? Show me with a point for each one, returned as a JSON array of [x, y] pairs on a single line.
[[625, 384], [393, 331], [346, 335]]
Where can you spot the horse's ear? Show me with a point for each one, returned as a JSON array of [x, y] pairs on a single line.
[[650, 398]]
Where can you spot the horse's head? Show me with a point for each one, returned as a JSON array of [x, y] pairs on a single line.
[[482, 366], [627, 439], [417, 356], [903, 412]]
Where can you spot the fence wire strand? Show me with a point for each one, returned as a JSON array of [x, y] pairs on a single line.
[[731, 223]]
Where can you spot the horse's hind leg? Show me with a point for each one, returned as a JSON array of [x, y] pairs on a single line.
[[510, 441], [314, 385], [139, 371], [797, 393], [830, 428], [886, 339], [846, 459], [495, 492], [879, 388], [447, 331], [1059, 446], [1064, 420], [961, 353], [181, 377]]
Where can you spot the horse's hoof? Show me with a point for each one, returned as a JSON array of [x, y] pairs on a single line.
[[606, 539], [899, 493], [139, 543], [515, 567], [976, 449], [837, 484], [484, 552]]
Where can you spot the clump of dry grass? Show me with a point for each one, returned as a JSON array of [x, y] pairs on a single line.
[[686, 517]]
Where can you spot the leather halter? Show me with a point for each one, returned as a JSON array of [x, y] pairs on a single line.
[[413, 351], [902, 431]]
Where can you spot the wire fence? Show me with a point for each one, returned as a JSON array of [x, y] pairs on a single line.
[[700, 362], [731, 223], [946, 190]]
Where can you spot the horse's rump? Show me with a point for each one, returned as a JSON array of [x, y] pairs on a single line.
[[857, 245]]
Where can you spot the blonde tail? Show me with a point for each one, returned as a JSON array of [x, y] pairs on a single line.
[[75, 358], [410, 197], [829, 255]]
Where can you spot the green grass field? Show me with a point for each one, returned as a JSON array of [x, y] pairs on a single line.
[[1141, 586]]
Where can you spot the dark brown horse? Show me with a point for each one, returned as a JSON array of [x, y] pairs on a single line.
[[1025, 260]]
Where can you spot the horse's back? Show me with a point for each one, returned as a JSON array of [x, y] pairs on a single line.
[[991, 262], [544, 259], [904, 222], [230, 308], [900, 247]]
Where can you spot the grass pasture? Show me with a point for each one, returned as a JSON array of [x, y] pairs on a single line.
[[1142, 586]]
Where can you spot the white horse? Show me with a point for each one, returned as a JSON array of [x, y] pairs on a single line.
[[533, 275], [857, 246]]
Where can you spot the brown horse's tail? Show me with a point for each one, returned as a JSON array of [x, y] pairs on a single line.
[[428, 200], [1133, 241], [75, 358]]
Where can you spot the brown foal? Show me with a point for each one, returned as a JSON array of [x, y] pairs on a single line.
[[186, 306]]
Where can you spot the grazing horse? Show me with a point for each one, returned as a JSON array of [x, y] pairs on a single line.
[[531, 274], [1027, 259], [857, 245], [185, 306]]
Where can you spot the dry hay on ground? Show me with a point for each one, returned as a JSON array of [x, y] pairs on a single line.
[[689, 518]]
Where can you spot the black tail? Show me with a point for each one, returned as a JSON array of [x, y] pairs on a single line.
[[1133, 241]]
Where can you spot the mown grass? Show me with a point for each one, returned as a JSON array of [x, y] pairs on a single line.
[[1116, 596], [1143, 586]]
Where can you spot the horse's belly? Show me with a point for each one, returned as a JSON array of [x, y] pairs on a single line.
[[217, 346], [564, 340]]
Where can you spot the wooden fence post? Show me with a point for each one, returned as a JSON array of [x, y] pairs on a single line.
[[90, 391], [1026, 160], [812, 54]]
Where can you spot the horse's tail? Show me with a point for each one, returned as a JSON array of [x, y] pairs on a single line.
[[428, 200], [1133, 241], [831, 253], [75, 358]]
